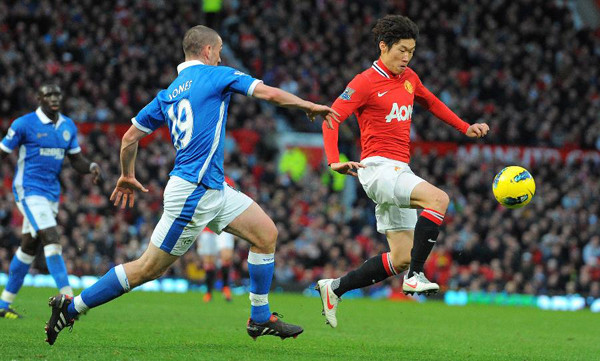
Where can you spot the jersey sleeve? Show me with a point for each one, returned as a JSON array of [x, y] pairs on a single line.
[[235, 81], [149, 118], [430, 102], [354, 96], [14, 136], [74, 147]]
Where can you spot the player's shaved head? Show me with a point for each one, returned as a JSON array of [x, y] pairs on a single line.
[[197, 38], [48, 87], [392, 28]]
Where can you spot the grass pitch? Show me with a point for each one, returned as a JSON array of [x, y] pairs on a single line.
[[159, 326]]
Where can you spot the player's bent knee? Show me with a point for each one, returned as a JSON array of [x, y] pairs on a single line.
[[440, 201], [401, 262], [29, 245], [267, 239]]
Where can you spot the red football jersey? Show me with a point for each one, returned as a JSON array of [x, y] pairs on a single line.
[[383, 103]]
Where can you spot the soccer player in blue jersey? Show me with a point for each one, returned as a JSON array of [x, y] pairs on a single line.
[[43, 138], [194, 107]]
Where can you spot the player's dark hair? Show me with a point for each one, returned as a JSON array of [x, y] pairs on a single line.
[[392, 28], [197, 38]]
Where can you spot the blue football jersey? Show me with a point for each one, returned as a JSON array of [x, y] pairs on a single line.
[[194, 107], [42, 147]]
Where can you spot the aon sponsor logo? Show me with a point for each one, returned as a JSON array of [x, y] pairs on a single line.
[[402, 113], [57, 153]]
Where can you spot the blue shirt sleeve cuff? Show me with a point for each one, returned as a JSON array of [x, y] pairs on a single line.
[[140, 127], [5, 148], [252, 86]]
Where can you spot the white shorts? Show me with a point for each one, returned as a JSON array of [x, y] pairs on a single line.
[[389, 183], [38, 214], [189, 208], [210, 244]]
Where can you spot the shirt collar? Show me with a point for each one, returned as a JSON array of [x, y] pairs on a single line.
[[44, 118], [187, 64], [380, 67]]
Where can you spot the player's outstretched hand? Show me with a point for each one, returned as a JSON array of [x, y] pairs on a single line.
[[125, 191], [325, 111], [347, 167], [477, 130], [97, 173]]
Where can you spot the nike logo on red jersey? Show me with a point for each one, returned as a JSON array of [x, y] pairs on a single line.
[[382, 94]]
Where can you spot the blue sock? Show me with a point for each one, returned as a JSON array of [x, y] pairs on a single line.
[[261, 268], [112, 285], [56, 265], [19, 266]]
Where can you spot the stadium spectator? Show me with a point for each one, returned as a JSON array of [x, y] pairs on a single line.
[[523, 67]]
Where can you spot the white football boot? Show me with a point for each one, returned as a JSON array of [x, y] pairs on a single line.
[[329, 300], [418, 283]]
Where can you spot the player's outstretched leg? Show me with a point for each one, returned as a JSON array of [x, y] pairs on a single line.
[[64, 308], [262, 322], [372, 271], [18, 269]]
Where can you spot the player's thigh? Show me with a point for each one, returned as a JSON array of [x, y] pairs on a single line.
[[401, 243], [187, 209], [426, 195], [389, 182], [254, 226], [242, 217], [392, 218], [38, 214]]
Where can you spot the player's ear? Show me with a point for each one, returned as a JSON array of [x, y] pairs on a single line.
[[383, 46]]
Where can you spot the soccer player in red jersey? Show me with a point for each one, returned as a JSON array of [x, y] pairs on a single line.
[[382, 98]]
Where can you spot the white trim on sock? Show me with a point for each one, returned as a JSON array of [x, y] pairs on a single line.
[[24, 257], [67, 290], [8, 297], [260, 258], [52, 249], [258, 300], [79, 305], [122, 276]]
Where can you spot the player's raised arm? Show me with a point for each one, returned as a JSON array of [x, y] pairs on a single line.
[[432, 103], [127, 183], [289, 100]]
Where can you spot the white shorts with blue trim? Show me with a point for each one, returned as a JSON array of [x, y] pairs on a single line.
[[210, 244], [39, 213], [389, 183], [189, 208]]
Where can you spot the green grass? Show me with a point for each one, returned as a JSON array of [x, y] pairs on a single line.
[[159, 326]]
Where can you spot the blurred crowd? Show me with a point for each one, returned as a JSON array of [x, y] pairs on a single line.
[[523, 67]]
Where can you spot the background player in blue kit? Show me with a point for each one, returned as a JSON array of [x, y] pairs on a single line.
[[43, 138], [194, 107]]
